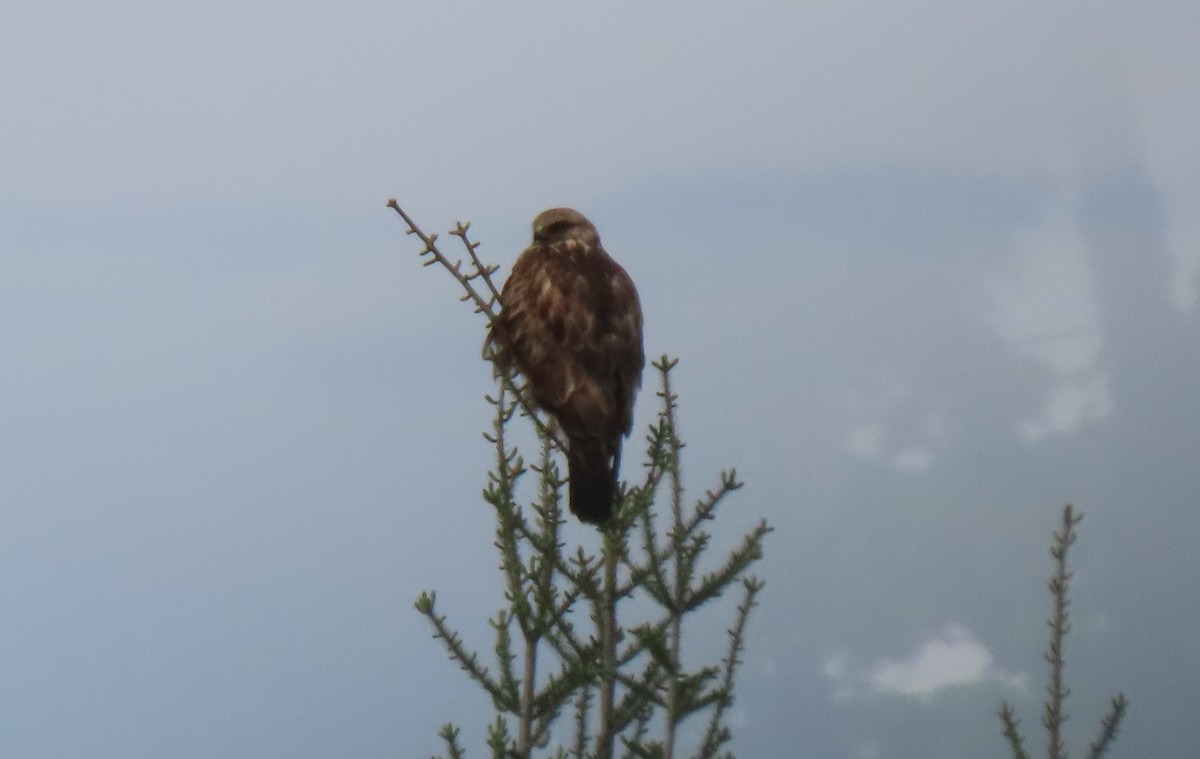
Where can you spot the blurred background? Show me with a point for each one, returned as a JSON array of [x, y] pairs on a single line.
[[930, 271]]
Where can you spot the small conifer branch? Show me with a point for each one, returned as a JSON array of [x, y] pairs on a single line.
[[704, 511], [656, 454], [606, 618], [513, 568], [663, 456], [1060, 625], [685, 553], [458, 653], [1011, 731], [1110, 725], [742, 557], [449, 733], [674, 697], [650, 575], [517, 592], [508, 463], [547, 549], [499, 741], [559, 689], [674, 446], [576, 572], [528, 682], [641, 728], [560, 633], [646, 750], [716, 734], [505, 657], [508, 517], [644, 643], [583, 707], [1053, 715], [694, 692], [641, 695]]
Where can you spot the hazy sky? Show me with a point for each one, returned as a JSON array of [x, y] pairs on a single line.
[[930, 271]]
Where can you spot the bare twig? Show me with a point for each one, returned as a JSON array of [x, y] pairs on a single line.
[[455, 268], [486, 306], [481, 271]]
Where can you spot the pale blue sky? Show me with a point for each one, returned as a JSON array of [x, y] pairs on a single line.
[[930, 270]]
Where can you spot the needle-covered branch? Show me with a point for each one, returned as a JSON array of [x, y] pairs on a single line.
[[469, 661], [449, 734], [1012, 732], [1054, 714], [717, 734], [1109, 727]]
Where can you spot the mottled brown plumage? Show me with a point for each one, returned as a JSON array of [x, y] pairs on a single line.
[[570, 321]]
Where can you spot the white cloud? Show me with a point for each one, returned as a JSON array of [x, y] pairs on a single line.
[[955, 658], [1044, 305], [952, 658], [873, 406], [1043, 302], [835, 669], [1067, 406]]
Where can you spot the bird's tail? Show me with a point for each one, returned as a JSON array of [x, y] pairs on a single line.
[[593, 482]]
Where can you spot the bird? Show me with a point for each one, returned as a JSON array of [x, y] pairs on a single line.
[[570, 322]]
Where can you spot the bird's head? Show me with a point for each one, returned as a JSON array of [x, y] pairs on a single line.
[[559, 224]]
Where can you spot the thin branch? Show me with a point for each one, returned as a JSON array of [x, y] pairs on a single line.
[[711, 585], [681, 567], [1060, 625], [607, 619], [583, 706], [1012, 732], [528, 682], [468, 661], [717, 734], [449, 734], [482, 271], [436, 256], [504, 656], [1053, 715], [1110, 725], [485, 306], [703, 512]]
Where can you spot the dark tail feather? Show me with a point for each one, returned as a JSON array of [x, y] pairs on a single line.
[[593, 482]]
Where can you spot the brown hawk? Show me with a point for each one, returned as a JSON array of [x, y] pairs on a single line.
[[571, 322]]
